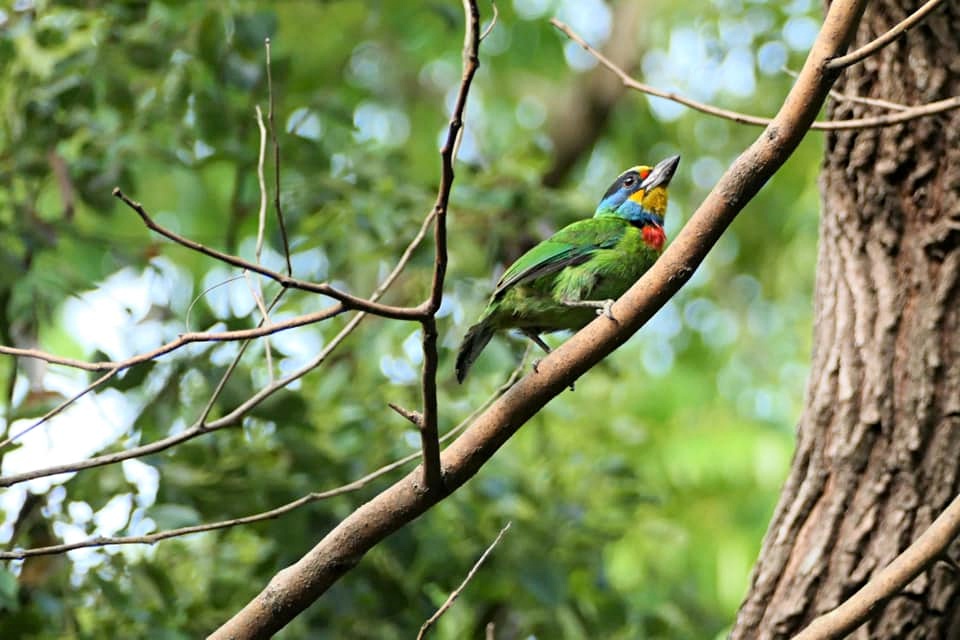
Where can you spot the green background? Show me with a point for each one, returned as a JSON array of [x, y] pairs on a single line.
[[638, 501]]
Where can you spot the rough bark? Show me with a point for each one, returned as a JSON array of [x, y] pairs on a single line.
[[878, 447]]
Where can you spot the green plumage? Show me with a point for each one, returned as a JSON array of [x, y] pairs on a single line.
[[590, 260]]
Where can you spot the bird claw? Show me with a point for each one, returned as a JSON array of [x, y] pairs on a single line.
[[603, 307], [607, 310]]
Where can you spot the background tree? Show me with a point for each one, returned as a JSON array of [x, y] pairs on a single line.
[[622, 525], [878, 440]]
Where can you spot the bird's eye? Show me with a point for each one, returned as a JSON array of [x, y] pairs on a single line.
[[629, 181]]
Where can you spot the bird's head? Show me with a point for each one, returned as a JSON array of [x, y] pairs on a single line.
[[640, 193]]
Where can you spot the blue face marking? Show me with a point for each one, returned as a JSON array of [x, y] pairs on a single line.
[[618, 203]]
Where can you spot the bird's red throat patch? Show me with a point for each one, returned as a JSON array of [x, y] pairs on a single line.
[[653, 236]]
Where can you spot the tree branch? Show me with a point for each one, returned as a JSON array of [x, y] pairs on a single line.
[[153, 538], [862, 605], [889, 36], [19, 554], [908, 112], [432, 472], [297, 586], [276, 160], [348, 300], [183, 340], [59, 408], [463, 585]]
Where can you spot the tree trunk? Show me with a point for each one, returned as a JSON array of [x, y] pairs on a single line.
[[878, 444]]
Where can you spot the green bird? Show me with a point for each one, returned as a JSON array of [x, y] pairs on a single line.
[[567, 280]]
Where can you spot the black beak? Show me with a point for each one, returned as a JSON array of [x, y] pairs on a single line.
[[661, 174]]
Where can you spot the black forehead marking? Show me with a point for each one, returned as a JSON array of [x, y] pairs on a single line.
[[619, 182]]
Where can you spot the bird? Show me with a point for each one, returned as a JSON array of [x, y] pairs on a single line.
[[568, 279]]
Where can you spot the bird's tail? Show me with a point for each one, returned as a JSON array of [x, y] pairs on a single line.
[[473, 343]]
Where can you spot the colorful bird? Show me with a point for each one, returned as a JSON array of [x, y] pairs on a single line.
[[567, 280]]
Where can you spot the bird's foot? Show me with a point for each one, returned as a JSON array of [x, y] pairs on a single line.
[[537, 340], [603, 307]]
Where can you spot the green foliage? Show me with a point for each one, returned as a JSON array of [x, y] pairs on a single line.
[[638, 502]]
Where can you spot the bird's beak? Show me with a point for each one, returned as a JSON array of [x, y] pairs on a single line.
[[661, 174]]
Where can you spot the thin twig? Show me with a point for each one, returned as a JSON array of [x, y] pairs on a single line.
[[909, 113], [886, 38], [60, 407], [493, 21], [262, 210], [256, 290], [222, 383], [861, 606], [463, 585], [276, 160], [182, 340], [432, 473], [17, 554], [845, 97], [199, 428], [348, 300], [413, 416]]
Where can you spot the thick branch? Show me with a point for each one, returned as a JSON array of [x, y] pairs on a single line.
[[297, 586]]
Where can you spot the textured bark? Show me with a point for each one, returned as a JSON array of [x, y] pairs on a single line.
[[878, 447]]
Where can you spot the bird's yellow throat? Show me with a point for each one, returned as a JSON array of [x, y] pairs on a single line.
[[654, 201]]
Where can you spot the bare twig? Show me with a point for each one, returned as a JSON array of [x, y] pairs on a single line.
[[463, 585], [257, 294], [200, 427], [432, 473], [493, 21], [348, 300], [909, 113], [60, 407], [255, 289], [845, 97], [276, 160], [182, 340], [413, 416], [294, 588], [222, 383], [862, 605], [262, 210], [889, 36], [153, 538]]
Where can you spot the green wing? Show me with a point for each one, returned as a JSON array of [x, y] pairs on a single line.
[[572, 245]]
